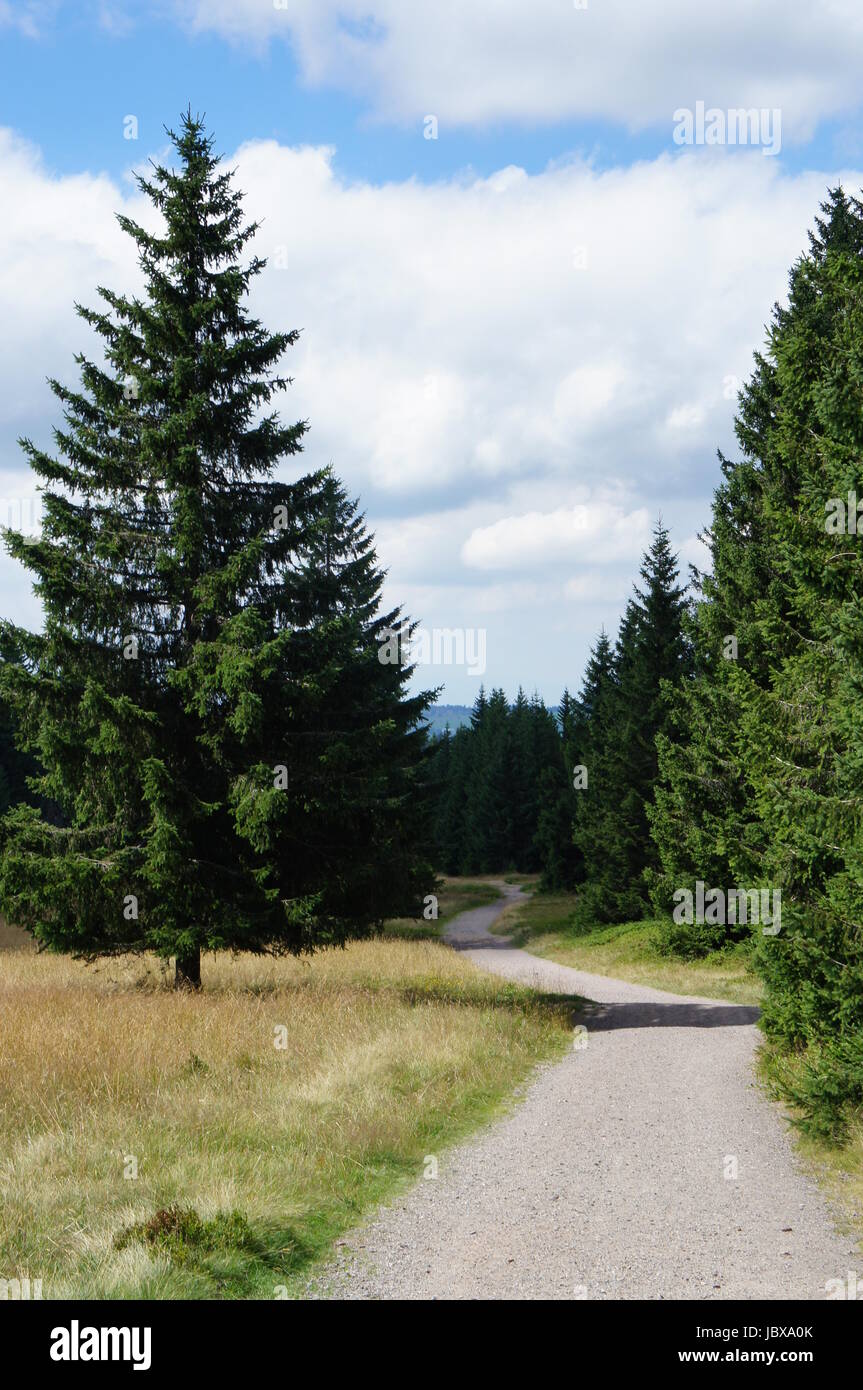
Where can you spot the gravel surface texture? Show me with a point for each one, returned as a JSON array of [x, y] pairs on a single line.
[[646, 1164]]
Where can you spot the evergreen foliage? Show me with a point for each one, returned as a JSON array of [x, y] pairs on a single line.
[[490, 806], [207, 747], [568, 796], [763, 786], [14, 767], [235, 765], [625, 704]]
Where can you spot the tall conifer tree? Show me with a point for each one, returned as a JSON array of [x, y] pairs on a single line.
[[769, 770], [235, 766], [651, 657]]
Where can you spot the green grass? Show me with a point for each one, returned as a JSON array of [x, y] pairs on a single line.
[[456, 895], [628, 950], [837, 1166], [250, 1157]]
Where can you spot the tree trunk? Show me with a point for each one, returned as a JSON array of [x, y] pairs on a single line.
[[187, 973]]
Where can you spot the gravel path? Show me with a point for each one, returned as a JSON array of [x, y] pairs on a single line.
[[608, 1180]]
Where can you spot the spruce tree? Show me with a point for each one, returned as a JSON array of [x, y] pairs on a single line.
[[491, 805], [651, 658], [566, 715], [592, 750], [774, 733], [801, 734], [493, 781], [440, 771], [553, 850], [452, 777], [14, 768], [706, 823], [235, 766], [553, 844], [521, 780]]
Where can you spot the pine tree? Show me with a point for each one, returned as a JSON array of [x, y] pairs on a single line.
[[651, 658], [706, 823], [554, 851], [801, 733], [491, 805], [13, 767], [773, 734], [592, 752], [236, 766]]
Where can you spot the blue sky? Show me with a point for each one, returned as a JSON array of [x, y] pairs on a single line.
[[521, 339], [65, 84]]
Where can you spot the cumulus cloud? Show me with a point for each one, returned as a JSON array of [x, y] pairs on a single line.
[[599, 533], [503, 409], [450, 336], [501, 60]]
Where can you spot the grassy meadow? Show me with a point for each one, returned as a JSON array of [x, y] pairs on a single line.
[[456, 895], [164, 1145]]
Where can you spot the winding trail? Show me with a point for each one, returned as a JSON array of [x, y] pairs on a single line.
[[608, 1178]]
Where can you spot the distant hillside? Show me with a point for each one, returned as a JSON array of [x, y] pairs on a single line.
[[441, 715], [454, 715]]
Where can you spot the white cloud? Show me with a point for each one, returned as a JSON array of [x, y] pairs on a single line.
[[693, 551], [59, 239], [595, 587], [585, 394], [686, 417], [494, 60], [599, 533], [29, 17], [450, 343], [495, 408]]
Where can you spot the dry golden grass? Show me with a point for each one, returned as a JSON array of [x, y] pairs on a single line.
[[14, 938], [391, 1050]]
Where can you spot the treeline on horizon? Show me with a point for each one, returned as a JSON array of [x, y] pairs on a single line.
[[565, 793], [722, 733]]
